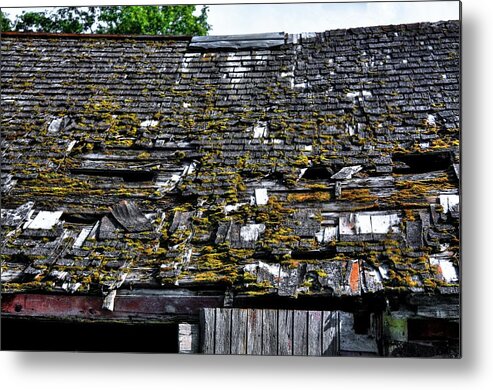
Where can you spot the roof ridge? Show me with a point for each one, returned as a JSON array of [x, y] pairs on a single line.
[[19, 34], [385, 27]]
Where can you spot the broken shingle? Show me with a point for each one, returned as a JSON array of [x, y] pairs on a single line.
[[346, 172], [45, 220], [130, 217]]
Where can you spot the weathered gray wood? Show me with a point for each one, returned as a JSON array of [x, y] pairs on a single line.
[[285, 332], [181, 220], [207, 325], [300, 336], [352, 343], [195, 338], [106, 229], [239, 331], [330, 333], [242, 37], [223, 332], [346, 172], [414, 234], [289, 280], [254, 332], [187, 338], [239, 42], [269, 332], [314, 333], [130, 217]]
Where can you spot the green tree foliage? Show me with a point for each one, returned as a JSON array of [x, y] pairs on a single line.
[[5, 23], [146, 20], [156, 20], [59, 20]]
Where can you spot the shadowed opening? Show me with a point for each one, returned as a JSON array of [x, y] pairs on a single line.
[[421, 162], [39, 335]]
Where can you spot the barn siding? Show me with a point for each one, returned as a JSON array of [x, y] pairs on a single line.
[[270, 332]]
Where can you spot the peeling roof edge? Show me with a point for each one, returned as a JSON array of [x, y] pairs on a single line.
[[241, 41]]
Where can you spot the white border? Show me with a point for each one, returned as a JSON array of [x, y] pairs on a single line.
[[140, 371]]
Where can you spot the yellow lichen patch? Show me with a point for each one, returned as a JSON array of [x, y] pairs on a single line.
[[317, 186], [212, 260], [409, 215], [301, 161], [414, 193], [358, 195], [208, 276], [318, 196]]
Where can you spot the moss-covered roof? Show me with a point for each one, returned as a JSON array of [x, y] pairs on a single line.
[[324, 165]]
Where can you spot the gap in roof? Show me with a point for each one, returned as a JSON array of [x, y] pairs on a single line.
[[292, 17]]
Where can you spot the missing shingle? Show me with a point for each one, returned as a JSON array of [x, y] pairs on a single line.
[[421, 162], [326, 253], [317, 173], [81, 218]]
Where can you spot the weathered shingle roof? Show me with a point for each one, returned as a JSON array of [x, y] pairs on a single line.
[[324, 165]]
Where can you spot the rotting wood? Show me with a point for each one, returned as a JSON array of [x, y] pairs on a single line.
[[397, 146]]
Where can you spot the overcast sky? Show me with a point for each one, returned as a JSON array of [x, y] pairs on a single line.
[[296, 18]]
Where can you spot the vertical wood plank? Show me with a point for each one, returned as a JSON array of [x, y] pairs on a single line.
[[184, 338], [223, 332], [314, 333], [195, 338], [239, 331], [269, 332], [188, 338], [207, 326], [330, 337], [300, 333], [285, 332], [254, 332]]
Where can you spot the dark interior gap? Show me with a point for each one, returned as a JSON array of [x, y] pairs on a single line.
[[39, 335], [432, 329], [361, 322], [421, 162], [326, 253], [317, 173], [82, 218]]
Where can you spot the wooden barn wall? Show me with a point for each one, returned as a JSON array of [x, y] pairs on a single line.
[[269, 332]]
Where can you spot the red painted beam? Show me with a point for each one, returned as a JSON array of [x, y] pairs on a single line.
[[90, 307]]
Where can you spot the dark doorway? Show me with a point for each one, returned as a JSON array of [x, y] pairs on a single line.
[[36, 335]]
